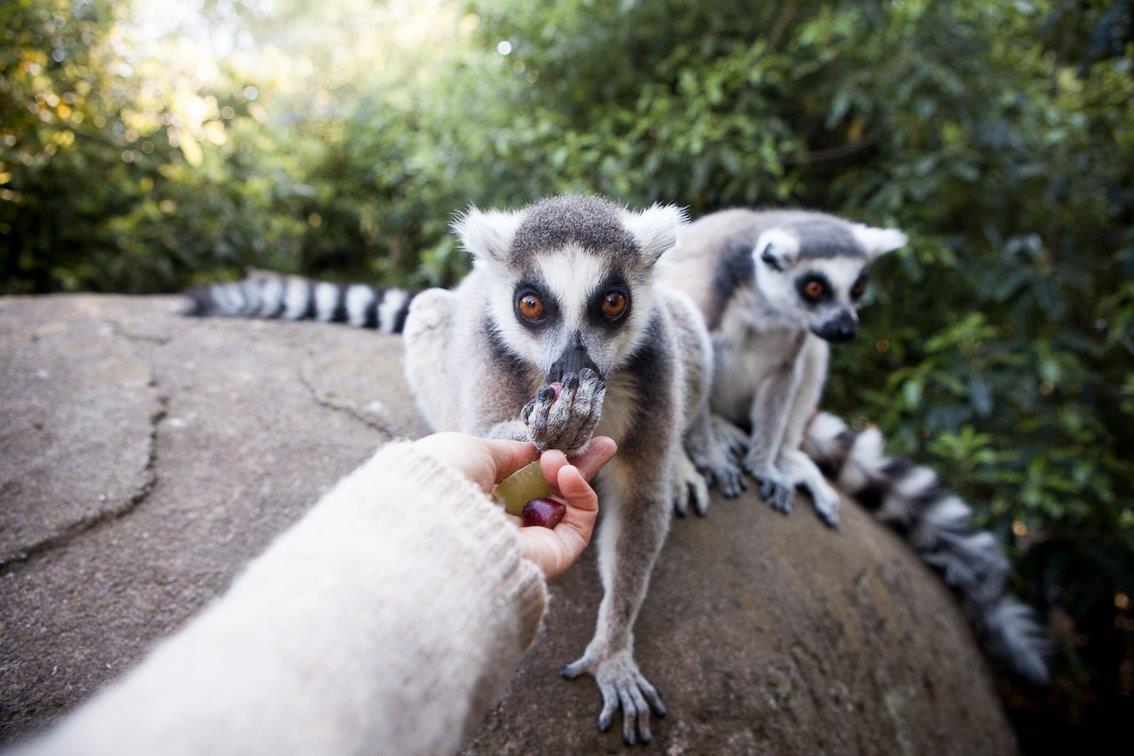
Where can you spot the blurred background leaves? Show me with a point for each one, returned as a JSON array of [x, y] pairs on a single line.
[[150, 145]]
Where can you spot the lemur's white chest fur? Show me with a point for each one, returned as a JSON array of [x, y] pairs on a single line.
[[745, 353]]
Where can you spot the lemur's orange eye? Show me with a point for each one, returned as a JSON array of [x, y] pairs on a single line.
[[813, 290], [613, 304], [859, 288], [531, 306]]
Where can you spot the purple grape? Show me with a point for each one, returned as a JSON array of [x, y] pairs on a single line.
[[546, 513]]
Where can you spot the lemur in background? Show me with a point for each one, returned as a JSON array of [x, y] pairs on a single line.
[[561, 292], [774, 288]]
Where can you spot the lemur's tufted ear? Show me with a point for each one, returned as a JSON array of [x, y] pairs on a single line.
[[655, 229], [878, 241], [487, 234], [777, 248]]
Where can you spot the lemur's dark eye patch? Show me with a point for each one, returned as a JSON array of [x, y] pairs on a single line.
[[859, 287], [814, 288]]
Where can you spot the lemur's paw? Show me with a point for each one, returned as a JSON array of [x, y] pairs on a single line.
[[731, 439], [776, 490], [568, 420], [827, 506], [624, 687], [728, 477], [689, 486], [691, 490]]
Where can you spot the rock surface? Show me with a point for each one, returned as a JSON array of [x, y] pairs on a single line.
[[145, 457]]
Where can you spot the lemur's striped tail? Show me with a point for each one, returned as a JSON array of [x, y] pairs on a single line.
[[263, 294], [939, 527]]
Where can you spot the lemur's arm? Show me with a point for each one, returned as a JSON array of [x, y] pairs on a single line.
[[635, 488], [771, 410], [800, 469]]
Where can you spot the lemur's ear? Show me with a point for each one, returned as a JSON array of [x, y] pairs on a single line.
[[878, 241], [487, 234], [777, 248], [655, 229]]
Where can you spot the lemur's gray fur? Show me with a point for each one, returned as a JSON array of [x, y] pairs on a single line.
[[748, 272], [475, 361]]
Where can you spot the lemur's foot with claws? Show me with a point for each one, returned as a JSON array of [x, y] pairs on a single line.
[[727, 476], [624, 687], [827, 507], [689, 486], [732, 440], [566, 419], [775, 489]]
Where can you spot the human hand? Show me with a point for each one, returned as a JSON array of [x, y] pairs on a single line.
[[486, 462]]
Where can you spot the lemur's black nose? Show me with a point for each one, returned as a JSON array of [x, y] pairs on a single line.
[[573, 359], [841, 328]]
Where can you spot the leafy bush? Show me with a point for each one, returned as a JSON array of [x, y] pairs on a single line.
[[999, 134]]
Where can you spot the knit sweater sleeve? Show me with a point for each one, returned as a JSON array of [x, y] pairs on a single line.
[[386, 620]]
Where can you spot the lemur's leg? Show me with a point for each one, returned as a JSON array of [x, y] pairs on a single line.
[[793, 462], [771, 411], [688, 484], [428, 337], [713, 458], [636, 514]]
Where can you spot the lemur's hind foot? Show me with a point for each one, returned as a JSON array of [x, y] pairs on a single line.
[[732, 440], [774, 487], [624, 687], [803, 473], [713, 459], [689, 486], [777, 491]]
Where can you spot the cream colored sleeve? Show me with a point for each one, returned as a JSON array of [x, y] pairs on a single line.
[[385, 621]]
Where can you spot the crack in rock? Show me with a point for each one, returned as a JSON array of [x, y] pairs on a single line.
[[88, 524], [327, 400], [122, 331]]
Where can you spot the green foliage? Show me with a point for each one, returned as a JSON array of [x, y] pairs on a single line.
[[1000, 135]]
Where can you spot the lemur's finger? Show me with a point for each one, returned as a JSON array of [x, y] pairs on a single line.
[[609, 704], [700, 495], [643, 713], [629, 714], [651, 694], [574, 669], [563, 407]]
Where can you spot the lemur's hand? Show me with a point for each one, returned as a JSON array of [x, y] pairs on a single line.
[[568, 420], [624, 687], [775, 488]]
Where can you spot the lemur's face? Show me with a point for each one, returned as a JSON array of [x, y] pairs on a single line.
[[816, 279], [571, 279], [570, 308]]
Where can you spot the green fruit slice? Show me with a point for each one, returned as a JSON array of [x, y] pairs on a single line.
[[522, 486]]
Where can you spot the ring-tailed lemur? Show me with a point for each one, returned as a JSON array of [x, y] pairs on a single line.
[[563, 291], [775, 287]]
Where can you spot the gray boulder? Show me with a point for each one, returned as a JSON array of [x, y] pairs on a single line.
[[145, 457]]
